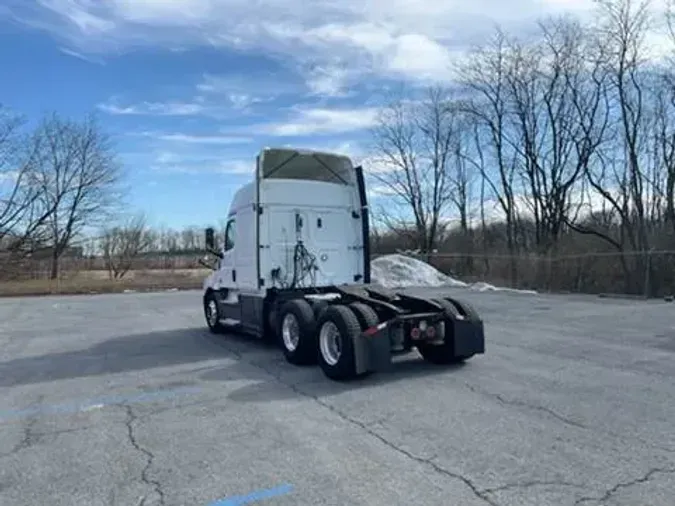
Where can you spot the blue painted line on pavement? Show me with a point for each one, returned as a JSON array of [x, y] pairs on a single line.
[[74, 407], [257, 495]]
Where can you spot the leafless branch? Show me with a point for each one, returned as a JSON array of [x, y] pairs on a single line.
[[122, 244]]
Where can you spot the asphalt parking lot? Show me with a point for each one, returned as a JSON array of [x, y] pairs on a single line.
[[128, 400]]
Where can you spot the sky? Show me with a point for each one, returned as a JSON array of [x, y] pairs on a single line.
[[191, 90]]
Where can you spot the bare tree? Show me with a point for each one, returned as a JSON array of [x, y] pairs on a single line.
[[665, 137], [666, 127], [77, 176], [548, 85], [462, 171], [620, 176], [13, 198], [414, 141], [574, 137], [484, 77], [20, 215], [122, 244]]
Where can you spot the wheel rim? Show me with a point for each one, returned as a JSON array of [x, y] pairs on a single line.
[[330, 343], [290, 332], [212, 313]]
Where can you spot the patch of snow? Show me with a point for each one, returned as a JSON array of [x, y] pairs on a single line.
[[398, 271], [481, 286]]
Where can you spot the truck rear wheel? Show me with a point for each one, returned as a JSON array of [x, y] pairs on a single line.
[[442, 353], [297, 332], [365, 314], [338, 328], [465, 308], [318, 306]]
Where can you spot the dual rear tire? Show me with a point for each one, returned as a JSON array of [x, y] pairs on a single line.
[[296, 328], [325, 334]]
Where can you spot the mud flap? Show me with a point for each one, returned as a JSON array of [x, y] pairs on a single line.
[[469, 337], [372, 353], [469, 334]]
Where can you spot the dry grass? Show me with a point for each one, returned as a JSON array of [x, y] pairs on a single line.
[[88, 282]]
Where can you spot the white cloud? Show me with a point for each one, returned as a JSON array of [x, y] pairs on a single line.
[[243, 167], [227, 84], [171, 162], [383, 49], [241, 100], [329, 80], [242, 91], [377, 190], [215, 96], [321, 121], [80, 56], [9, 176], [83, 15], [164, 12], [197, 139], [155, 109], [334, 43], [659, 45], [419, 55]]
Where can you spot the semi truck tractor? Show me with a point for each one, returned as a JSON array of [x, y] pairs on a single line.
[[294, 266]]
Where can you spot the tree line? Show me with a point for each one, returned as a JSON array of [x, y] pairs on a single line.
[[557, 144], [58, 181], [566, 137]]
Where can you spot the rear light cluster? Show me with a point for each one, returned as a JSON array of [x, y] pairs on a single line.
[[423, 330]]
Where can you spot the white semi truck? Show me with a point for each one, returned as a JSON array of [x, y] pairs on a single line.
[[294, 266]]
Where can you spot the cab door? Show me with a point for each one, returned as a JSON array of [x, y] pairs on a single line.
[[245, 251], [227, 271]]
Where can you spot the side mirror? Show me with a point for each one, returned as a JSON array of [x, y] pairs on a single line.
[[210, 242], [203, 263], [210, 238]]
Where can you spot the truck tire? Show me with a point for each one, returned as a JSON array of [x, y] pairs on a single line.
[[365, 314], [212, 314], [296, 331], [318, 306], [448, 306], [464, 308], [338, 326], [442, 354]]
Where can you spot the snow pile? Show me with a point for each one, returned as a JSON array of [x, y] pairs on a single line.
[[400, 270], [396, 271]]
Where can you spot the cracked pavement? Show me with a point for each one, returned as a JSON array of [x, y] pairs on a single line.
[[156, 485], [128, 400]]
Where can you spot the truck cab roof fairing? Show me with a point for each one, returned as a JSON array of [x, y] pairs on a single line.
[[286, 163]]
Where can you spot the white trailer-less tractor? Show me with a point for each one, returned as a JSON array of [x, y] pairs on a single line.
[[294, 266]]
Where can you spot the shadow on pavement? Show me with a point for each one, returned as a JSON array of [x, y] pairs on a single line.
[[121, 354], [259, 361], [278, 380]]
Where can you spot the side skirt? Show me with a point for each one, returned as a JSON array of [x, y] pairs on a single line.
[[243, 312]]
